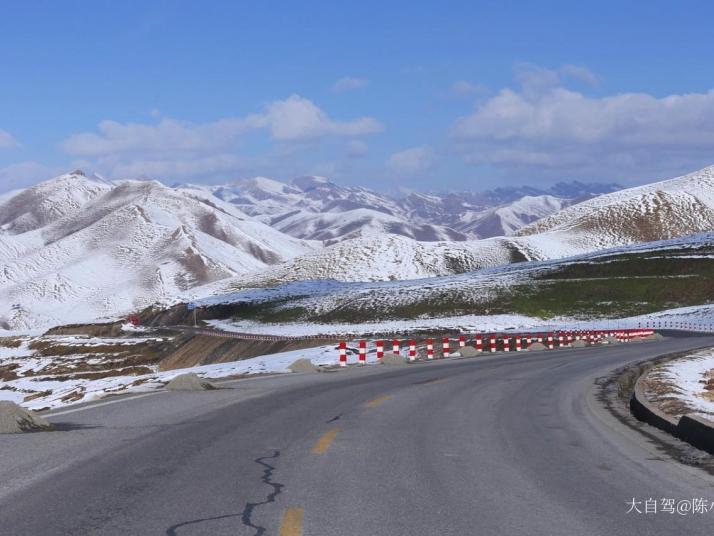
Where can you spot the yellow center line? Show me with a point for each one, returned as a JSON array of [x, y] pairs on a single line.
[[377, 401], [325, 441], [292, 522]]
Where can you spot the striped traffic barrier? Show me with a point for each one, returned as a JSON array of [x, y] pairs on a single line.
[[506, 344], [462, 341], [380, 350], [445, 346], [362, 352], [395, 347], [479, 343], [492, 342], [430, 348], [343, 354], [550, 341], [518, 343], [412, 350]]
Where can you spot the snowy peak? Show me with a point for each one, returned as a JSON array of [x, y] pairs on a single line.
[[49, 201], [110, 249]]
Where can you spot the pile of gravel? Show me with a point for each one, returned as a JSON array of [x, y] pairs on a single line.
[[536, 347], [469, 351], [302, 365], [391, 359], [189, 382], [17, 420]]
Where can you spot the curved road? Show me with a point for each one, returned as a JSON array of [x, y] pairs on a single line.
[[496, 445]]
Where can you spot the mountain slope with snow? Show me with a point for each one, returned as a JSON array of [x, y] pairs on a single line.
[[113, 249], [658, 211]]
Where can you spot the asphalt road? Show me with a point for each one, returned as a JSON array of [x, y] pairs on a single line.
[[506, 445]]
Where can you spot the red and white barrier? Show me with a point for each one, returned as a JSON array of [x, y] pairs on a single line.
[[380, 350], [492, 343], [518, 343], [362, 352], [343, 354], [479, 343], [550, 341], [412, 350], [462, 341], [528, 340], [430, 348], [506, 344], [445, 346], [395, 347]]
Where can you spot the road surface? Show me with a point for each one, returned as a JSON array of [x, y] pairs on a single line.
[[506, 445]]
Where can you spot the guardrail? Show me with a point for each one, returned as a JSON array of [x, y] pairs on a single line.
[[407, 348]]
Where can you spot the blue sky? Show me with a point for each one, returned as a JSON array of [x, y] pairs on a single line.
[[424, 95]]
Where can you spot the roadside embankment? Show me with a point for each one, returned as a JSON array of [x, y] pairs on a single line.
[[677, 396]]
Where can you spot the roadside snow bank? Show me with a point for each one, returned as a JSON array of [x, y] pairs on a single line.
[[42, 392], [689, 377]]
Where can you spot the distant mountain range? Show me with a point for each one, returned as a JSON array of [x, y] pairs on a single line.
[[315, 208], [78, 248]]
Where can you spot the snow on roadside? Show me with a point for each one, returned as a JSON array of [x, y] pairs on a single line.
[[688, 374], [85, 390], [466, 323], [701, 317]]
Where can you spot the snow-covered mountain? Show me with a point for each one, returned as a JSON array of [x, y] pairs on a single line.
[[316, 208], [77, 248], [80, 248], [657, 211]]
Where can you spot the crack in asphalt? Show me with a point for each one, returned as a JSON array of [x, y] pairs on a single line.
[[267, 479], [335, 418]]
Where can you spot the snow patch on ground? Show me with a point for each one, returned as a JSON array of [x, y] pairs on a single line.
[[689, 376], [86, 390]]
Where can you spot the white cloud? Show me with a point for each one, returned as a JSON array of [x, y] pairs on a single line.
[[172, 148], [349, 83], [7, 141], [412, 161], [166, 136], [23, 174], [463, 88], [545, 125], [299, 119]]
